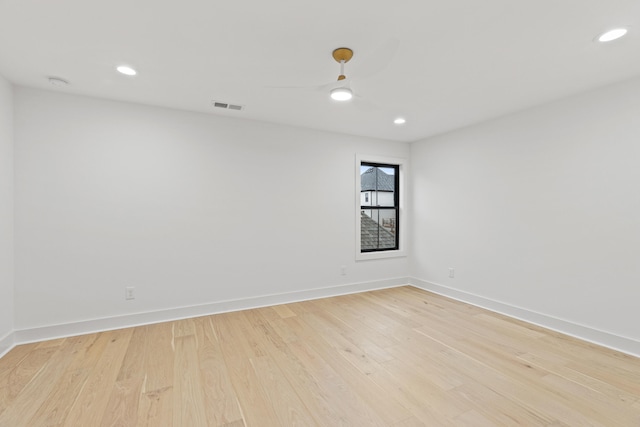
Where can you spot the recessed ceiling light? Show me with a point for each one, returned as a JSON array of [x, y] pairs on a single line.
[[57, 81], [612, 35], [126, 70], [341, 94], [399, 121]]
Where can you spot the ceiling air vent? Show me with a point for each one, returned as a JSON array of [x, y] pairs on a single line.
[[227, 106]]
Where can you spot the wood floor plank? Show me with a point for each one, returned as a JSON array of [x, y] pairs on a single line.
[[24, 371], [473, 418], [41, 386], [231, 330], [188, 395], [283, 311], [156, 401], [51, 343], [560, 369], [393, 357], [500, 409], [77, 398], [410, 422], [355, 355], [55, 409], [294, 365], [356, 337], [289, 408], [124, 402], [315, 382], [349, 408], [599, 406], [89, 407], [221, 406], [528, 391], [428, 402], [335, 352], [11, 360]]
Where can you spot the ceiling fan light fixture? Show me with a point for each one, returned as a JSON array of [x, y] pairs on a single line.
[[341, 94], [612, 35], [126, 70]]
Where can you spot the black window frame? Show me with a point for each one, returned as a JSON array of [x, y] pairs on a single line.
[[395, 207]]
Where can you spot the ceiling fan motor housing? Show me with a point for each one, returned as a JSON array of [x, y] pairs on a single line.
[[342, 54]]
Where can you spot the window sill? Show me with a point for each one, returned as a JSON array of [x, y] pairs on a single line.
[[380, 255]]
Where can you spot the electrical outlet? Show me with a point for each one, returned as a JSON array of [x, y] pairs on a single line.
[[130, 292], [452, 272], [343, 270]]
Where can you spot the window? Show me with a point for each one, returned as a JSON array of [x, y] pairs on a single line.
[[378, 219], [379, 210]]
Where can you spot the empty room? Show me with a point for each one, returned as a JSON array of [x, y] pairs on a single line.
[[410, 213]]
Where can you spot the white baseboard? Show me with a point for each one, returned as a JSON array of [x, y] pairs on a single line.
[[43, 333], [23, 336], [7, 343], [586, 333]]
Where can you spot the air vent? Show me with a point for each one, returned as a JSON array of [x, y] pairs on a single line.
[[227, 106]]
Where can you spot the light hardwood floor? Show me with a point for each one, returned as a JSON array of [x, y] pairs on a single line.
[[395, 357]]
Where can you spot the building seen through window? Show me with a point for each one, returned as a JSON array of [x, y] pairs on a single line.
[[379, 204]]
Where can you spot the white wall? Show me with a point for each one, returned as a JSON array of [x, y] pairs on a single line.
[[179, 205], [538, 210], [6, 215]]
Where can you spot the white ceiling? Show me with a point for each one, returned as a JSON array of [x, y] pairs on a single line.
[[457, 62]]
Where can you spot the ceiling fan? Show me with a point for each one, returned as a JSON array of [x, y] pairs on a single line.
[[341, 89], [342, 55]]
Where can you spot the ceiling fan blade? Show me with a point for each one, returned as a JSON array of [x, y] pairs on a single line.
[[363, 104], [379, 59], [322, 87], [304, 87]]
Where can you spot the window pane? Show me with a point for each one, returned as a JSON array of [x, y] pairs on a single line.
[[377, 229], [379, 206], [380, 184]]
